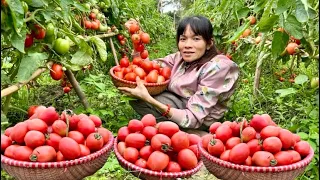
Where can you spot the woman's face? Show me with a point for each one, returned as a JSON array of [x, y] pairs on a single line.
[[191, 46]]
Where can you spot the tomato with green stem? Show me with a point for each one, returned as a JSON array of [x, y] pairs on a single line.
[[61, 46]]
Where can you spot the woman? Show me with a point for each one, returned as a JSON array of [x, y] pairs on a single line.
[[201, 80]]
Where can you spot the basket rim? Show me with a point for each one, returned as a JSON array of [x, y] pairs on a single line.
[[61, 164], [300, 164], [134, 83], [160, 174]]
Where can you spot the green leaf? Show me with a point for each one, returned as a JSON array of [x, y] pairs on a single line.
[[266, 24], [38, 3], [300, 79], [101, 46], [243, 12], [312, 144], [48, 15], [314, 114], [293, 26], [101, 86], [81, 58], [18, 40], [312, 13], [224, 6], [285, 92], [279, 43], [259, 4], [4, 78], [29, 64], [81, 7], [314, 135], [301, 11], [17, 14], [303, 135], [283, 5]]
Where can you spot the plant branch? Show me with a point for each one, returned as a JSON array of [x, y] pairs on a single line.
[[258, 66]]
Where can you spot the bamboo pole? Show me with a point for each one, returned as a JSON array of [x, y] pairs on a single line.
[[17, 86], [113, 51]]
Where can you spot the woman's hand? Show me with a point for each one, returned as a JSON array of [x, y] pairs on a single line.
[[139, 92]]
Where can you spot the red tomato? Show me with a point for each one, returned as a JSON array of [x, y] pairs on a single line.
[[223, 132], [135, 140], [248, 161], [283, 158], [127, 70], [10, 149], [28, 41], [123, 132], [194, 148], [140, 72], [264, 159], [8, 131], [235, 128], [173, 167], [105, 133], [53, 140], [60, 157], [38, 32], [121, 147], [135, 38], [141, 163], [59, 127], [295, 156], [296, 138], [149, 132], [120, 37], [144, 54], [31, 110], [146, 65], [232, 142], [87, 24], [138, 47], [205, 140], [43, 154], [92, 16], [95, 25], [86, 126], [161, 79], [18, 132], [94, 142], [22, 153], [133, 28], [136, 61], [269, 120], [156, 66], [145, 152], [216, 147], [118, 69], [193, 139], [124, 62], [77, 136], [168, 128], [73, 122], [69, 148], [166, 72], [38, 125], [248, 134], [239, 153], [84, 150], [131, 76], [179, 141], [119, 74], [135, 125], [5, 142], [302, 147], [158, 161], [269, 131], [187, 159], [34, 139], [254, 146], [145, 38], [272, 144], [286, 138], [161, 142], [56, 72], [152, 77], [96, 120], [131, 154], [258, 122], [225, 155], [148, 120]]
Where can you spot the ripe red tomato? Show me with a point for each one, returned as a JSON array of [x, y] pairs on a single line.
[[232, 142], [8, 131], [56, 72], [121, 147], [135, 140], [302, 147], [135, 38], [124, 62], [105, 133], [119, 74], [263, 158], [292, 47], [296, 138], [223, 132], [87, 24], [193, 139], [161, 142], [66, 89], [86, 126], [144, 54], [96, 120], [134, 28], [268, 118], [69, 148], [141, 163], [18, 132], [295, 155], [248, 161], [216, 147], [254, 146], [272, 144], [31, 110], [73, 122], [138, 47], [60, 157], [122, 42], [92, 16], [48, 115], [179, 141], [239, 153], [136, 61], [213, 127], [53, 140], [148, 120], [165, 72], [123, 132], [269, 131], [248, 134], [131, 154], [43, 154], [158, 161], [187, 159], [173, 167], [145, 152], [149, 132], [140, 72], [152, 77], [38, 32], [145, 38], [94, 25], [258, 122], [94, 142], [34, 139], [84, 150], [38, 125], [131, 76], [235, 129], [286, 138], [168, 128], [146, 65], [10, 149], [59, 127], [5, 142], [194, 148], [28, 41], [225, 155], [22, 153], [205, 140], [77, 136], [283, 158], [120, 37]]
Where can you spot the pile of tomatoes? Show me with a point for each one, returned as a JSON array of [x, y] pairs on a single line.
[[260, 143], [46, 137], [158, 146]]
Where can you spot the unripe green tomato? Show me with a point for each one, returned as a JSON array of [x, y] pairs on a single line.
[[61, 46], [50, 29], [102, 5], [103, 28], [99, 16], [314, 82], [25, 6], [58, 9], [100, 96], [102, 105], [49, 39], [96, 11], [105, 10], [87, 5]]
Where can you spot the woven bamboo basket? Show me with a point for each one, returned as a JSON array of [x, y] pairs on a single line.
[[153, 88], [63, 170], [146, 174], [230, 171]]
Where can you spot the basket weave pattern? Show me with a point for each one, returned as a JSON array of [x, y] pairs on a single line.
[[230, 171], [63, 170], [153, 88], [153, 175]]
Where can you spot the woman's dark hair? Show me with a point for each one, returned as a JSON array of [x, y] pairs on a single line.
[[200, 25]]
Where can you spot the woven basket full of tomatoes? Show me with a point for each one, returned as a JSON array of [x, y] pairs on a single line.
[[151, 150], [54, 147], [259, 150]]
